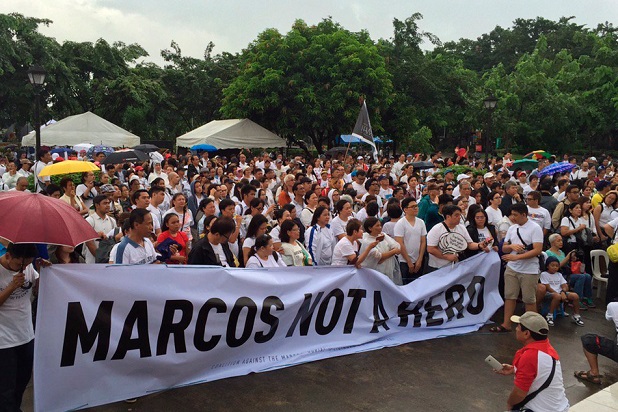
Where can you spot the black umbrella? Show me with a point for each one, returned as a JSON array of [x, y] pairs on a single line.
[[335, 151], [146, 148], [123, 156], [422, 165]]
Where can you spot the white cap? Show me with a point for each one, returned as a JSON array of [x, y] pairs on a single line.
[[462, 176], [359, 157], [488, 175]]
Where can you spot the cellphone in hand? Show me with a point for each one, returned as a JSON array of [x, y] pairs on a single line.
[[493, 362]]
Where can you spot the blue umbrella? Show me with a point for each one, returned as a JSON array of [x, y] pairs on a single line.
[[61, 150], [554, 168], [204, 147]]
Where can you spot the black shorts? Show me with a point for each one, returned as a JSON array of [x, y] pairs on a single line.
[[600, 346]]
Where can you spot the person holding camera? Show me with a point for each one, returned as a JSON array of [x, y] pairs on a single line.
[[522, 246]]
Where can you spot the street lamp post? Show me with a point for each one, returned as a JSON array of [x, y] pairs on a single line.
[[490, 104], [36, 75]]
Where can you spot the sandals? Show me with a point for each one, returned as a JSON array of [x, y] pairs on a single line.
[[499, 329], [588, 377]]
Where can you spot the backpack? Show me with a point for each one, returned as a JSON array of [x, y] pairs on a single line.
[[105, 248]]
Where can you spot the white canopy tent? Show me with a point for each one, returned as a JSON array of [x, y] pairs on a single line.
[[231, 134], [85, 127]]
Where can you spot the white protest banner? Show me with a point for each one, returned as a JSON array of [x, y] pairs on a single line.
[[106, 333]]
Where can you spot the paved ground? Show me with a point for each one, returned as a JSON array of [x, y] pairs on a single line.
[[438, 375]]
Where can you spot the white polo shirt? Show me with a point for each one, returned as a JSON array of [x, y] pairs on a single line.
[[128, 252]]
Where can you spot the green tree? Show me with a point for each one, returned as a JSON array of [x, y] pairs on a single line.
[[308, 82]]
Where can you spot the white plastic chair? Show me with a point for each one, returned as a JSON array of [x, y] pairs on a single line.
[[597, 274]]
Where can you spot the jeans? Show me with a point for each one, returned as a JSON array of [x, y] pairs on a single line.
[[15, 373], [581, 284]]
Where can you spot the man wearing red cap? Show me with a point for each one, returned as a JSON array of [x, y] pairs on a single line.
[[538, 375]]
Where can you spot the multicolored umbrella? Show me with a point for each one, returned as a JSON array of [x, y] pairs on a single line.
[[99, 148], [36, 218], [554, 168], [538, 154], [524, 164], [68, 166]]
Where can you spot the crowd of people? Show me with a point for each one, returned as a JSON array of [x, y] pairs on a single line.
[[268, 211]]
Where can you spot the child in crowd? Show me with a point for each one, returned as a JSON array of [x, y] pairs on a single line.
[[553, 285], [580, 282]]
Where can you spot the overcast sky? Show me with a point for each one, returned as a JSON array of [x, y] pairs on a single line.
[[231, 25]]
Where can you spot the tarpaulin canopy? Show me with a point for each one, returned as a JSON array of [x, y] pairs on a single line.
[[85, 127], [231, 134], [348, 138]]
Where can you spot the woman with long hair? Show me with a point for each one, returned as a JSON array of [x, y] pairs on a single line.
[[320, 240], [384, 250], [293, 252], [480, 230], [281, 215], [263, 254], [197, 194], [178, 206], [257, 227], [573, 223], [170, 229]]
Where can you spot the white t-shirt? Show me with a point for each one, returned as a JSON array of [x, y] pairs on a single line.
[[485, 234], [338, 226], [540, 216], [81, 189], [531, 233], [99, 225], [411, 235], [433, 238], [554, 281], [494, 216], [360, 189], [571, 224], [218, 249], [16, 312], [344, 248], [130, 253], [256, 262]]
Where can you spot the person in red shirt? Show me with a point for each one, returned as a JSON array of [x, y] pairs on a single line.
[[538, 375], [171, 230]]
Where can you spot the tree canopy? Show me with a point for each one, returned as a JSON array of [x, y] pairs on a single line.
[[556, 83]]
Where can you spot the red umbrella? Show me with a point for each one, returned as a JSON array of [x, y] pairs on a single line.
[[35, 218]]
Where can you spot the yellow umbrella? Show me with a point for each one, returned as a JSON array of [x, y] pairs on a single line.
[[68, 166]]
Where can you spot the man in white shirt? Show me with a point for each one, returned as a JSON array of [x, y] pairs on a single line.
[[398, 166], [411, 234], [135, 248], [141, 200], [101, 223], [359, 183], [523, 244], [536, 213], [44, 159], [452, 219]]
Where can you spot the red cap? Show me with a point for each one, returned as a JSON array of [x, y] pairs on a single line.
[[139, 168]]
